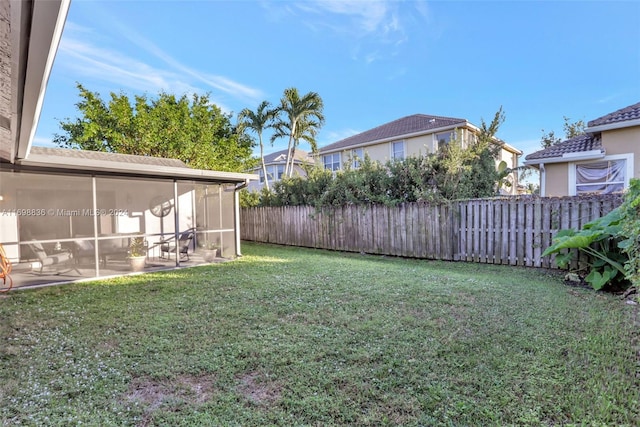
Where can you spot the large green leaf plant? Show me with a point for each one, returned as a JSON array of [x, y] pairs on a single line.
[[610, 241]]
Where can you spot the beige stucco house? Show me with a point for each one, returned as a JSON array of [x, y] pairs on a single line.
[[414, 135], [275, 165], [68, 215], [602, 160]]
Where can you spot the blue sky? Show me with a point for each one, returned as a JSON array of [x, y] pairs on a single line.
[[371, 61]]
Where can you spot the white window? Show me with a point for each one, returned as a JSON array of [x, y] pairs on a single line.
[[357, 155], [442, 139], [274, 173], [472, 138], [278, 171], [261, 174], [603, 176], [331, 161], [397, 150]]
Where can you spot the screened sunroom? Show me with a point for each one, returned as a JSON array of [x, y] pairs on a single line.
[[68, 215]]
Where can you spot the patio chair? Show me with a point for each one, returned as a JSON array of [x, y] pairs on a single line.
[[184, 242], [5, 269], [63, 257]]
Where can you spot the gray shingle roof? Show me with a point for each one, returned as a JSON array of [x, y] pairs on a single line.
[[397, 128], [108, 157], [299, 156], [578, 144], [632, 112]]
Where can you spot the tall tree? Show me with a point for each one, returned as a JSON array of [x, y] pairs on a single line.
[[307, 109], [479, 177], [258, 121], [190, 129], [571, 130], [306, 130]]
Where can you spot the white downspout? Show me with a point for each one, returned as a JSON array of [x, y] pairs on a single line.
[[543, 180]]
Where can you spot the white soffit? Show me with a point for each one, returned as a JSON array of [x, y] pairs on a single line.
[[47, 22]]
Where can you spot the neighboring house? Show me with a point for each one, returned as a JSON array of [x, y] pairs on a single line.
[[275, 164], [602, 160], [73, 214], [414, 135]]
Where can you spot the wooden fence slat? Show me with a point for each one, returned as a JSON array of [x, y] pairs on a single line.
[[469, 231], [462, 233], [489, 227], [418, 239], [474, 235], [513, 233], [484, 231], [528, 234], [436, 232], [497, 230], [427, 223], [537, 233], [401, 230], [545, 232]]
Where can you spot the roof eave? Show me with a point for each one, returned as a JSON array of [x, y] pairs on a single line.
[[282, 162], [510, 148], [30, 68], [568, 157], [100, 166], [613, 126]]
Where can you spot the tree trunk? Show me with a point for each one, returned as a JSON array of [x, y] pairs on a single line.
[[286, 164], [293, 156], [291, 144], [264, 167]]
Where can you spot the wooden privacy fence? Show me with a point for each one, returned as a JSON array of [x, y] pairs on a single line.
[[513, 230]]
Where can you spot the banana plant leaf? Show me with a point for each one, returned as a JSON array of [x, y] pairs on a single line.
[[592, 232]]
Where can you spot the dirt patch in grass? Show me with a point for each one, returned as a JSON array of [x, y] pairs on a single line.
[[258, 390], [153, 394]]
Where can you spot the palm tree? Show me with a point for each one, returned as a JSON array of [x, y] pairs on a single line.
[[305, 130], [258, 121], [307, 110]]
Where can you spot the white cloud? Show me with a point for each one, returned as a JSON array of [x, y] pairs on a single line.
[[371, 26], [369, 16], [81, 52], [221, 83], [105, 64]]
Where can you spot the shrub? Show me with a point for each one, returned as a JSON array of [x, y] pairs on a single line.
[[612, 242], [597, 239], [630, 230], [453, 173], [249, 199]]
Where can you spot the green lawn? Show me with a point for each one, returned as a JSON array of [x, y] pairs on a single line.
[[289, 336]]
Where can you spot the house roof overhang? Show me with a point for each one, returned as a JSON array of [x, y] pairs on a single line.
[[42, 162], [567, 157], [36, 30], [612, 126]]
